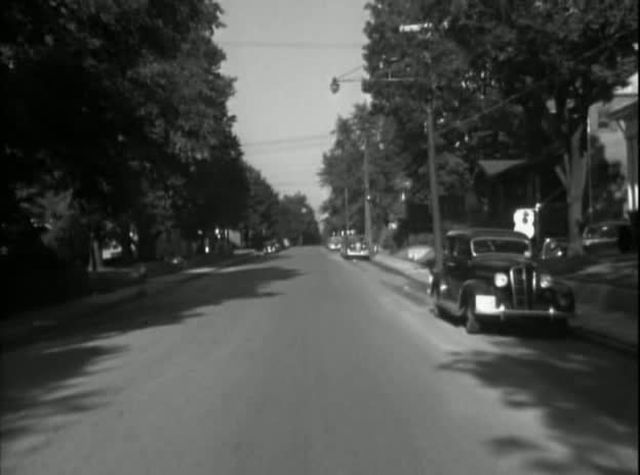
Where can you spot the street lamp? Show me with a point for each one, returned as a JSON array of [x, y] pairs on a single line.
[[428, 125]]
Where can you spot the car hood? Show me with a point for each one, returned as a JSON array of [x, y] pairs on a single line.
[[499, 262]]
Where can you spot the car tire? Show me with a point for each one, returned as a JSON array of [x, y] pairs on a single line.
[[560, 328], [471, 324], [434, 289]]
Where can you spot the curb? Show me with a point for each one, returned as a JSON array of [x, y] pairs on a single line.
[[38, 325], [604, 296], [396, 271], [586, 334]]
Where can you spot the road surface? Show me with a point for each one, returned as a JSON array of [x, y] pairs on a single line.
[[304, 363]]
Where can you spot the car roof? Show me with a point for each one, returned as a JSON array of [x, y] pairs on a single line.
[[488, 232]]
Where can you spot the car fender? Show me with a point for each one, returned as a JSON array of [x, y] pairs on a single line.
[[474, 287], [561, 289]]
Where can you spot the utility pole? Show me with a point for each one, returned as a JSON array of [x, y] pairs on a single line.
[[589, 162], [433, 184], [429, 130], [346, 209], [367, 194]]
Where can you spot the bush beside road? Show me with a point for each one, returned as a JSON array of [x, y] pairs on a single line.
[[29, 327]]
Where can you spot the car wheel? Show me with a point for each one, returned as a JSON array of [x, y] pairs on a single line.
[[471, 324], [434, 288], [560, 328]]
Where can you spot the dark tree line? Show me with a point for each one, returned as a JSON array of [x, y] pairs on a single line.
[[115, 126]]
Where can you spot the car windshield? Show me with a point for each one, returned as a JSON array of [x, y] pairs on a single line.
[[502, 245]]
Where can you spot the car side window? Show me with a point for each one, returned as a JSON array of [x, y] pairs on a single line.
[[448, 248], [461, 249]]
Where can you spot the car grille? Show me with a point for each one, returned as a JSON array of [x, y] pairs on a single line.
[[522, 287]]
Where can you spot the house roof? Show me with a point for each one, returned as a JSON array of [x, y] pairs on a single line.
[[495, 167], [624, 110], [630, 89], [625, 99]]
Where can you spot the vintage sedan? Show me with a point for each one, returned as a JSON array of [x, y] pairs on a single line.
[[334, 243], [489, 276], [355, 247]]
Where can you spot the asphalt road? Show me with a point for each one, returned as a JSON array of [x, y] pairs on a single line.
[[307, 364]]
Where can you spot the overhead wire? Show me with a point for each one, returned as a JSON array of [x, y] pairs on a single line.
[[300, 45], [351, 71], [288, 140]]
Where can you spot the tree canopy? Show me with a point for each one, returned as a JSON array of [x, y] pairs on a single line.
[[507, 79], [122, 107]]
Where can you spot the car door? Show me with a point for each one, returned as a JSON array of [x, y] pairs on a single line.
[[457, 265]]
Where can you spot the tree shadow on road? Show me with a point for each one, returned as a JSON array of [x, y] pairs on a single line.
[[577, 391], [44, 381]]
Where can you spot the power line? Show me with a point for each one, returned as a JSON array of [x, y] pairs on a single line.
[[351, 71], [288, 140], [304, 148], [299, 45]]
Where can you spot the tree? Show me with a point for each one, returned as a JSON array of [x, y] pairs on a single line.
[[296, 220], [118, 102], [406, 72], [514, 59], [111, 110], [261, 214], [569, 54]]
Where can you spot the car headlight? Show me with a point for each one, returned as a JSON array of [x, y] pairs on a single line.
[[545, 281], [500, 279]]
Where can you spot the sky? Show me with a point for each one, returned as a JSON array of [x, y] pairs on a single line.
[[283, 54]]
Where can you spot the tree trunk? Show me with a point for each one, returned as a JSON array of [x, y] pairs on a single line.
[[146, 244], [125, 242], [575, 175], [95, 253]]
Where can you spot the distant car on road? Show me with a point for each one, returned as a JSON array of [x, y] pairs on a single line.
[[271, 247], [607, 236], [334, 243], [489, 276], [111, 250], [355, 247]]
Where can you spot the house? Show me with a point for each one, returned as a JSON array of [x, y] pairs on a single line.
[[502, 186], [615, 124], [625, 113]]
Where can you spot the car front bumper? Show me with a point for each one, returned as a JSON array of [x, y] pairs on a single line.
[[511, 314], [485, 306], [357, 254]]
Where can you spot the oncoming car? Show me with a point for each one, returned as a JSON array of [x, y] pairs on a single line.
[[334, 243], [355, 247], [489, 276]]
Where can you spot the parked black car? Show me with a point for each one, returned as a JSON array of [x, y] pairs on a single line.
[[355, 247], [489, 275]]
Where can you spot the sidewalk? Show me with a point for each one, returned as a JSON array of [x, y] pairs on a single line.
[[28, 326], [605, 313]]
